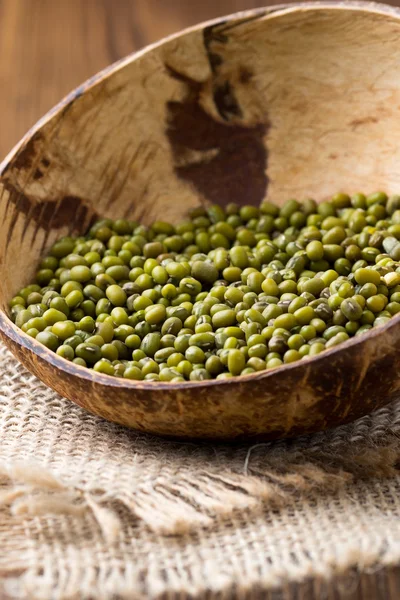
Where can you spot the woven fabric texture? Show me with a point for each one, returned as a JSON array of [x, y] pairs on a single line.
[[92, 510]]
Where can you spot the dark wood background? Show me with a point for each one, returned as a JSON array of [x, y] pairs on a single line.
[[48, 47]]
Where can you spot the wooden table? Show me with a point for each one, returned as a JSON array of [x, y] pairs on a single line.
[[48, 47]]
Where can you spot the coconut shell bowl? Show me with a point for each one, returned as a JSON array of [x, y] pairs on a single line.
[[289, 101]]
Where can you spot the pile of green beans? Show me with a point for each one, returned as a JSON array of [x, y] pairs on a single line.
[[227, 292]]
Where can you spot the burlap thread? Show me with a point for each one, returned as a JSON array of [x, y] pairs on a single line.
[[89, 509]]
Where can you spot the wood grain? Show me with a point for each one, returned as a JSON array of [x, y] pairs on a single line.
[[47, 48]]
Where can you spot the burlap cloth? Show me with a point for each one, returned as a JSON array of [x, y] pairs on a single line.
[[92, 510]]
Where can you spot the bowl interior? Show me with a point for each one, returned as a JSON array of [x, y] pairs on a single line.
[[277, 103]]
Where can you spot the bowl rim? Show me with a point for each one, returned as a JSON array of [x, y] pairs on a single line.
[[274, 10], [17, 336]]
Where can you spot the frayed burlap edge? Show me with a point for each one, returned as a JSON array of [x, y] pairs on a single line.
[[29, 491], [178, 507], [89, 510]]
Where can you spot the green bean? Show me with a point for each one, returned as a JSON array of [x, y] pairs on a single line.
[[195, 300], [116, 295]]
